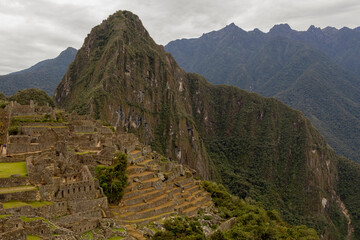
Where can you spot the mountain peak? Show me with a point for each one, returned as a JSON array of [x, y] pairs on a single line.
[[282, 28], [329, 29], [314, 29], [231, 28], [70, 51]]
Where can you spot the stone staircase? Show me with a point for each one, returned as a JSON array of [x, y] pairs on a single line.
[[155, 191]]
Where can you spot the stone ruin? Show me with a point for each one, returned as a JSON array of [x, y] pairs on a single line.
[[60, 159]]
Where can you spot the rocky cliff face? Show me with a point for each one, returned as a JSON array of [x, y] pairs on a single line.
[[257, 147]]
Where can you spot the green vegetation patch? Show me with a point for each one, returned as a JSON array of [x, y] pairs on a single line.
[[27, 219], [8, 169], [34, 204], [39, 96], [3, 103], [85, 152], [87, 235], [181, 228], [5, 215], [17, 189], [113, 179], [253, 221], [118, 229], [32, 237]]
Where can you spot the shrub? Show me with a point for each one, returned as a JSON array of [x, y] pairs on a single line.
[[181, 228], [13, 130], [113, 179]]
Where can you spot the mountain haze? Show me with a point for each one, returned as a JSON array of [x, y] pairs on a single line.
[[44, 75], [258, 147], [315, 71]]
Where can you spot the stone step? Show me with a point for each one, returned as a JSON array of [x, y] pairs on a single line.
[[152, 182], [178, 198], [137, 160], [135, 154], [152, 203], [182, 206], [194, 196], [147, 162], [167, 207], [141, 176], [199, 201], [195, 188], [143, 221], [135, 169], [183, 181], [143, 197], [188, 186], [191, 211], [129, 193]]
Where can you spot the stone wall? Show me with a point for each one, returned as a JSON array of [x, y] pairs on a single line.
[[14, 181], [11, 228], [38, 228], [20, 196], [84, 225], [21, 144]]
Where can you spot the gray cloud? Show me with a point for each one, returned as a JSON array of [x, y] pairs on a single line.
[[31, 31]]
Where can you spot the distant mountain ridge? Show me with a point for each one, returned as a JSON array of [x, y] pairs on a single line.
[[316, 71], [44, 75]]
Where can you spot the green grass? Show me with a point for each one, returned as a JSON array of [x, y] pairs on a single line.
[[33, 204], [27, 219], [5, 215], [87, 235], [86, 152], [17, 189], [8, 169], [44, 126], [32, 237], [118, 229]]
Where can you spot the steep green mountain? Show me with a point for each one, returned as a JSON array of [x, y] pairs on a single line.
[[258, 147], [45, 75], [297, 68]]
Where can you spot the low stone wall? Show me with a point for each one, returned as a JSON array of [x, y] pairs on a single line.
[[18, 234], [20, 196], [14, 181], [84, 205], [38, 228], [21, 211], [84, 225], [19, 147], [12, 159], [84, 128], [52, 211]]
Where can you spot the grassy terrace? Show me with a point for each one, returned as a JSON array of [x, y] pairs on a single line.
[[8, 169], [17, 189], [44, 126], [34, 204], [32, 237]]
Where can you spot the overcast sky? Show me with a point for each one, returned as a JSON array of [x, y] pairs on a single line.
[[35, 30]]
